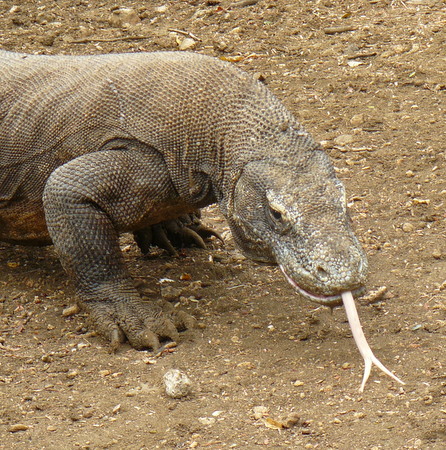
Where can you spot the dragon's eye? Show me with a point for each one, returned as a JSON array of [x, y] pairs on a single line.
[[278, 219], [276, 215]]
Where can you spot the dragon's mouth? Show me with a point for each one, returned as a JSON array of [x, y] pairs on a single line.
[[327, 300]]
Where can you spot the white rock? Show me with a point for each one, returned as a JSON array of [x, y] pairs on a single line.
[[177, 383], [161, 9], [187, 44], [206, 420], [344, 139]]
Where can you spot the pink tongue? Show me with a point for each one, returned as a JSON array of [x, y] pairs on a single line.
[[361, 342]]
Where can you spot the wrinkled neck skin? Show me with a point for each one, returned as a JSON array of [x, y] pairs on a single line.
[[291, 210]]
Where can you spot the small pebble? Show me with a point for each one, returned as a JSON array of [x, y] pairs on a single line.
[[170, 293], [122, 17], [177, 383], [161, 9], [47, 358], [18, 427], [187, 44], [325, 144], [70, 310], [344, 139], [291, 420], [246, 365], [47, 40], [407, 227], [357, 120], [206, 420], [260, 411]]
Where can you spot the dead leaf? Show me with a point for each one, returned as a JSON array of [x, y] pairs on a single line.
[[273, 424], [236, 58]]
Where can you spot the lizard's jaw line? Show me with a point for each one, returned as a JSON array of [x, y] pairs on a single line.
[[321, 299]]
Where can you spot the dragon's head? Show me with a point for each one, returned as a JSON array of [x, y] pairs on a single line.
[[295, 214]]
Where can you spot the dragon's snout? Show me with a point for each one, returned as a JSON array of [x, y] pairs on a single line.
[[323, 278]]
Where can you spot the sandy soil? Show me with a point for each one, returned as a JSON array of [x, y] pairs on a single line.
[[373, 90]]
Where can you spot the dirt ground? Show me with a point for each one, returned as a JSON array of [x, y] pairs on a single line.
[[367, 78]]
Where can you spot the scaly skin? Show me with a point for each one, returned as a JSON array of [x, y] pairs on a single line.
[[94, 146]]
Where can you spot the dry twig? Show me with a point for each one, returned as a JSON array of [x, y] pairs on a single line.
[[243, 3], [185, 33], [117, 39], [342, 29]]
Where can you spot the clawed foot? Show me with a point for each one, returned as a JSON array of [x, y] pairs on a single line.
[[142, 323], [185, 231]]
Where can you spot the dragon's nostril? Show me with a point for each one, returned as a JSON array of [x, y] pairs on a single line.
[[321, 273]]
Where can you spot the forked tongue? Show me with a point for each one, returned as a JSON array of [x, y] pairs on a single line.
[[361, 342]]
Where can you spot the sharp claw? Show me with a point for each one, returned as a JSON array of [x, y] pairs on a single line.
[[207, 232], [184, 320], [143, 238], [194, 236], [117, 337], [145, 339], [167, 329], [161, 239], [181, 320]]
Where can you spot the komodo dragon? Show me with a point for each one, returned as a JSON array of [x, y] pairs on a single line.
[[93, 146]]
